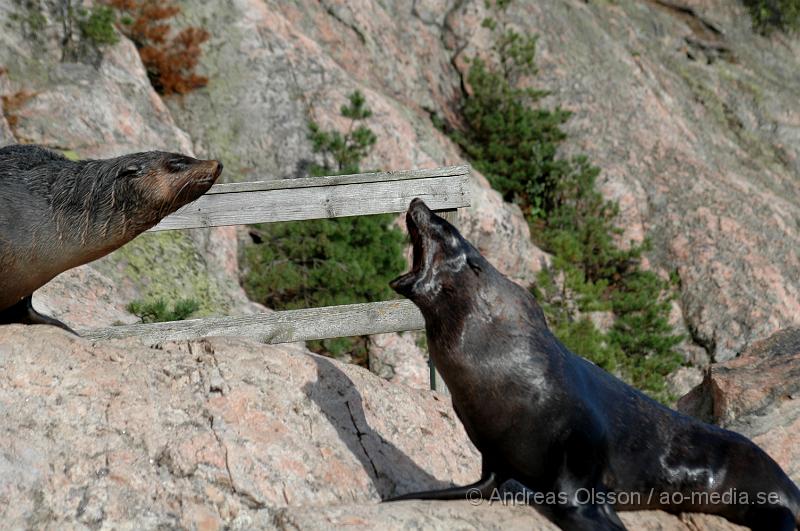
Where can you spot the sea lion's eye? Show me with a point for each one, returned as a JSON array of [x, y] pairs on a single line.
[[178, 165], [475, 266]]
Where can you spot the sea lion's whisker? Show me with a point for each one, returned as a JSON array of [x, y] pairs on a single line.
[[175, 197]]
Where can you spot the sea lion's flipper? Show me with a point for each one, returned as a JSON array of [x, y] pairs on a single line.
[[481, 489], [577, 515], [23, 313], [761, 518]]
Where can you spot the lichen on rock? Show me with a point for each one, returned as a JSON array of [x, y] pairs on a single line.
[[166, 265]]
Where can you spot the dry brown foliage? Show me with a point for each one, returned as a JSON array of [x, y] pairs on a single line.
[[170, 59], [13, 102]]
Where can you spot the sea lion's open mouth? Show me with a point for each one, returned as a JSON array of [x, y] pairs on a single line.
[[404, 282]]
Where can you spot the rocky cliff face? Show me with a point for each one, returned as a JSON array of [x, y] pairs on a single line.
[[227, 433], [758, 394], [692, 117]]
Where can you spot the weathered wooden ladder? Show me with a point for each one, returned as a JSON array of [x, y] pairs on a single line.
[[443, 189]]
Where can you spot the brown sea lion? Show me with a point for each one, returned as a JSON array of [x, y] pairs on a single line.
[[56, 214], [583, 442]]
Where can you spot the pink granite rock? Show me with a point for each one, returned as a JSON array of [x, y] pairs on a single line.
[[399, 359], [757, 394], [227, 433], [463, 515], [117, 434], [672, 104]]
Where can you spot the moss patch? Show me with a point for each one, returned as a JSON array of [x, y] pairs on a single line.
[[71, 155], [166, 265], [769, 15], [724, 114]]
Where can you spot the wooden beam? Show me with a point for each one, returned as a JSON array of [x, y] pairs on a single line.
[[280, 327], [336, 180], [450, 215], [322, 197]]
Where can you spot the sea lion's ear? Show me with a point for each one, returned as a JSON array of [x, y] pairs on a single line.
[[129, 170], [474, 265]]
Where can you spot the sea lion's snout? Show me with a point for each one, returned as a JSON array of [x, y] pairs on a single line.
[[203, 175], [419, 212], [437, 251], [418, 218], [421, 222], [207, 170]]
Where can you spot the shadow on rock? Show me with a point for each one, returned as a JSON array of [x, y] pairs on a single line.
[[391, 470]]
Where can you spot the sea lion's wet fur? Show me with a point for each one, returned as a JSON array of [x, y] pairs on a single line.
[[56, 214], [557, 423]]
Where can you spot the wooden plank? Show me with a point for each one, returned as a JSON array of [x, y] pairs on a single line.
[[450, 215], [280, 327], [292, 204], [334, 180]]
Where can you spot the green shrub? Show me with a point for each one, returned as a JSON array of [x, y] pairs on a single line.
[[324, 262], [508, 140], [157, 310], [639, 346], [515, 144], [97, 25], [330, 261], [767, 15], [342, 153], [94, 25]]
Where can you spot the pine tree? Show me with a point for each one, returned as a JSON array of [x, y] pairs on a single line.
[[514, 142], [328, 262]]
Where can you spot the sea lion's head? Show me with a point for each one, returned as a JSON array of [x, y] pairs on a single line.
[[160, 182], [445, 268], [113, 200], [99, 205], [60, 213]]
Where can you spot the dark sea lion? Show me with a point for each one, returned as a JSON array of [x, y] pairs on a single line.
[[56, 214], [582, 440]]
